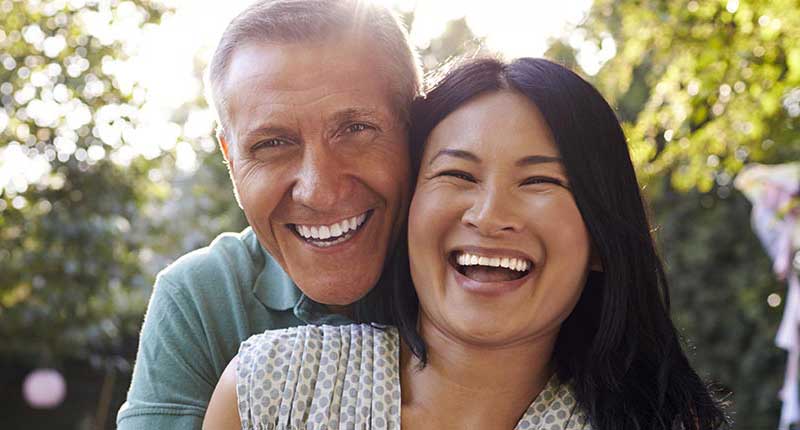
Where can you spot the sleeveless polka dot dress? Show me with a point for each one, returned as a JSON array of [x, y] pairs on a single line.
[[346, 377]]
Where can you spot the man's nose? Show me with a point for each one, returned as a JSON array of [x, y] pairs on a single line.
[[322, 181], [493, 213]]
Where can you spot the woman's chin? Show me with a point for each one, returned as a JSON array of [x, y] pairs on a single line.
[[480, 329]]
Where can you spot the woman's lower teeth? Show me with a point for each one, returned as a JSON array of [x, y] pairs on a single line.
[[491, 274]]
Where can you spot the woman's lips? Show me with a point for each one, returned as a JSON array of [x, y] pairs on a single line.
[[489, 272], [490, 265]]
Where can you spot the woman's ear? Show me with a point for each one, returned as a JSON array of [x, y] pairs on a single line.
[[595, 264]]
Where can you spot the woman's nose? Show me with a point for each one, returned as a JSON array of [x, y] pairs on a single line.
[[493, 213]]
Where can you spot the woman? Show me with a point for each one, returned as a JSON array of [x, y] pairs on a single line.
[[539, 300]]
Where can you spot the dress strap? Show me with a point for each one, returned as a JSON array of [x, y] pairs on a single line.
[[555, 408]]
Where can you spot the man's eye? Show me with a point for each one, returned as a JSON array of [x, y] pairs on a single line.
[[269, 143], [358, 127], [458, 174], [543, 180]]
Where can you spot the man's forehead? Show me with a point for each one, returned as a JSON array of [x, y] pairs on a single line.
[[293, 71], [291, 65], [265, 98], [291, 84]]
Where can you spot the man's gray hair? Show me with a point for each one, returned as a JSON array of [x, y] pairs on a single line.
[[290, 21]]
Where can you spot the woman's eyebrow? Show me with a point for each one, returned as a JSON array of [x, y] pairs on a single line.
[[537, 159], [457, 153]]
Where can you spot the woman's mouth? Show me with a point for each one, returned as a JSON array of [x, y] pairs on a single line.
[[490, 268]]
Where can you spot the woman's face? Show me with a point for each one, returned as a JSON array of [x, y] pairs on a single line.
[[499, 253]]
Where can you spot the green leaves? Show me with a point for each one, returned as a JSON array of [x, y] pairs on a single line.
[[718, 79], [71, 226], [702, 88]]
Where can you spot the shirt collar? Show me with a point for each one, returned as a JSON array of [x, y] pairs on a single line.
[[272, 287], [275, 289], [311, 312]]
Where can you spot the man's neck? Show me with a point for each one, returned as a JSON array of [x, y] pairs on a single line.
[[472, 386]]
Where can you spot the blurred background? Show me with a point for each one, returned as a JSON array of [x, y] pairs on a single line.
[[109, 170]]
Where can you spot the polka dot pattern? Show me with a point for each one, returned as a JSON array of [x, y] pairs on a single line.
[[320, 377], [347, 377], [554, 408]]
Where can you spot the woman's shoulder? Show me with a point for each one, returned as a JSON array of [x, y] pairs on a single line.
[[556, 406]]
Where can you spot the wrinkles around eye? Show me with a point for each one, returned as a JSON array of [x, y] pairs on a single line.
[[456, 174], [358, 127], [537, 180], [269, 143]]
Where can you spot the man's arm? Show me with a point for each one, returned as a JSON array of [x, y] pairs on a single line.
[[223, 411], [173, 377]]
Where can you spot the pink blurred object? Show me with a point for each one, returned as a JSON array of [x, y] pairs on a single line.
[[775, 194], [44, 388]]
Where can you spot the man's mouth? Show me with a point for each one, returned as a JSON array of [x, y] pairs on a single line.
[[324, 236], [490, 268]]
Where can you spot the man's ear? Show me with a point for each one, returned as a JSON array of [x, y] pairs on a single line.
[[227, 152], [225, 147]]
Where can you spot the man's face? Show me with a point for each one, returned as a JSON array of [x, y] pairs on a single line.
[[318, 155]]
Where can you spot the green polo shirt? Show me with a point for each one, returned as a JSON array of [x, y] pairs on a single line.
[[203, 306]]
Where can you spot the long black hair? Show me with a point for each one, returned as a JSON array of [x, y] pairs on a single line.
[[618, 348]]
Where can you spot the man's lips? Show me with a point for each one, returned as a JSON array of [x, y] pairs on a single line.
[[326, 235]]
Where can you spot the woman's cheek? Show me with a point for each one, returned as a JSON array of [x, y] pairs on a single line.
[[552, 218], [430, 219]]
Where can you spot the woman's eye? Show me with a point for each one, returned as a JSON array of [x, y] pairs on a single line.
[[458, 174], [543, 180]]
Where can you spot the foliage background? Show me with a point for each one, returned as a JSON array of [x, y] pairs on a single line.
[[702, 87]]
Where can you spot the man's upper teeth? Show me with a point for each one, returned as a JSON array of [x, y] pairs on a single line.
[[518, 264], [328, 231]]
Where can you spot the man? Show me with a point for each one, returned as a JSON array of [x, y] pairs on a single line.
[[313, 99]]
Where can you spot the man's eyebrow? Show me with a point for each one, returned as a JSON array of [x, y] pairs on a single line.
[[267, 130], [537, 159], [457, 153], [352, 114]]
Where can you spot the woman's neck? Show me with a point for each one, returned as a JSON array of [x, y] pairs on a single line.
[[468, 385]]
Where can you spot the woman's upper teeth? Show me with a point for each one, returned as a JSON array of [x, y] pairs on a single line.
[[330, 231], [518, 264]]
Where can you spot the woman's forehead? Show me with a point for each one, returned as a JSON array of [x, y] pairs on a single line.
[[501, 124]]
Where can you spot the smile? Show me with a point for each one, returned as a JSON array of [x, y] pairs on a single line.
[[490, 268], [324, 236]]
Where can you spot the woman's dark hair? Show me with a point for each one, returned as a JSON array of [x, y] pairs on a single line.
[[618, 348]]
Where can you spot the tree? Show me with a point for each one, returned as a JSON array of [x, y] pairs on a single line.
[[702, 88], [89, 198], [707, 85], [71, 225]]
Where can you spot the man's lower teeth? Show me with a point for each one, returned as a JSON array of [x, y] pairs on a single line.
[[325, 244]]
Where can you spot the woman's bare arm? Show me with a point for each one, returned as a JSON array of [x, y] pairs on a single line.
[[223, 412]]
